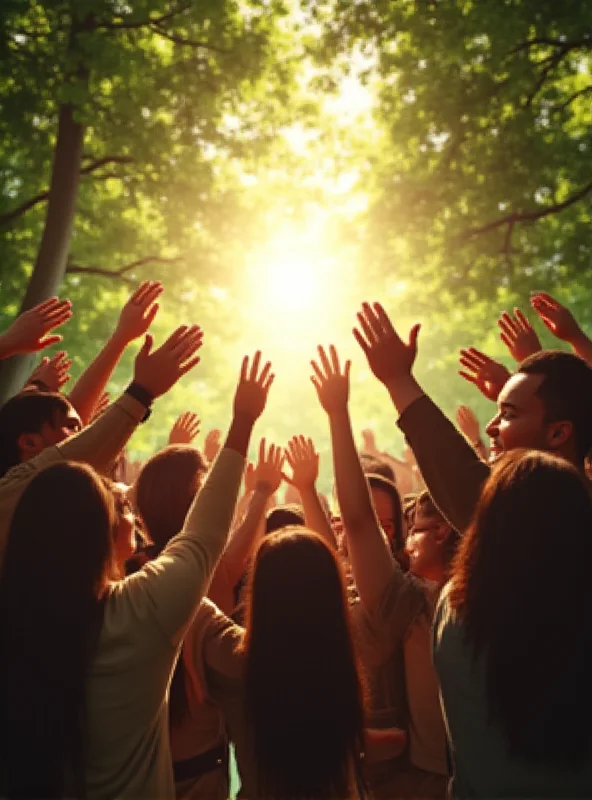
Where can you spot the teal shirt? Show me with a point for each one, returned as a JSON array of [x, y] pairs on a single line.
[[482, 765]]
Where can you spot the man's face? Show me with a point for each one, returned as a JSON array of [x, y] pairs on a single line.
[[65, 423], [383, 505], [519, 421]]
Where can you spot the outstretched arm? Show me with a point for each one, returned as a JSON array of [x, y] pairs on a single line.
[[30, 331], [451, 470], [562, 324], [135, 319], [303, 460], [370, 556]]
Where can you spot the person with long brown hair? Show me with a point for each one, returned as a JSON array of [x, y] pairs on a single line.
[[512, 635], [85, 662], [164, 492], [289, 682]]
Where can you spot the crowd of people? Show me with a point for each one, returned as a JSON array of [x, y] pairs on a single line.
[[415, 635]]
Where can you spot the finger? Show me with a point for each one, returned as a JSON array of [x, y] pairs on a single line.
[[507, 329], [317, 371], [151, 294], [244, 368], [547, 298], [508, 324], [325, 362], [151, 314], [373, 321], [58, 317], [184, 369], [51, 302], [346, 369], [467, 359], [187, 347], [368, 332], [548, 322], [45, 360], [262, 450], [479, 356], [384, 319], [255, 366], [526, 326], [414, 335], [175, 337], [360, 340], [267, 385], [47, 342], [138, 296], [334, 359], [467, 377], [315, 382], [507, 341], [265, 372]]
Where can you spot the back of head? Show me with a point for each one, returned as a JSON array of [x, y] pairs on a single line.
[[283, 517], [521, 587], [374, 465], [26, 412], [57, 563], [302, 688], [566, 392], [165, 490]]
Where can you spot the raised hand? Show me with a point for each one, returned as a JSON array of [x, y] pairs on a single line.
[[52, 372], [489, 376], [518, 335], [303, 460], [558, 319], [388, 355], [138, 313], [212, 445], [185, 429], [267, 475], [468, 424], [253, 387], [29, 332], [331, 383], [157, 371]]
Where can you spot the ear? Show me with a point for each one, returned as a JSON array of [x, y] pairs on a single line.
[[30, 445], [558, 434]]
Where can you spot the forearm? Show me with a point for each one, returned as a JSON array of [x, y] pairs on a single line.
[[315, 517], [92, 383], [353, 493], [403, 392], [244, 536], [239, 434], [6, 350], [582, 346]]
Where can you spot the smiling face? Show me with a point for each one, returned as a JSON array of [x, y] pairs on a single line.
[[520, 420]]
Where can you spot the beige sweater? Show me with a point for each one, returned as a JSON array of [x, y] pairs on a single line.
[[97, 445], [146, 618]]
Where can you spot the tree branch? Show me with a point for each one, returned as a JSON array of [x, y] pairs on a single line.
[[574, 96], [113, 26], [9, 216], [527, 216], [173, 37], [121, 273]]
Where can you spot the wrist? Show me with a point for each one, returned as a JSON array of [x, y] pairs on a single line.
[[239, 434], [403, 390], [142, 395], [119, 340], [264, 488], [578, 338]]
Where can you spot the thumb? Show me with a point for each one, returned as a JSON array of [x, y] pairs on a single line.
[[413, 336], [146, 347]]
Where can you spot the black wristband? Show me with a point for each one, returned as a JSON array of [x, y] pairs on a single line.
[[143, 396]]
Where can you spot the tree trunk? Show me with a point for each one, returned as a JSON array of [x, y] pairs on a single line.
[[52, 257]]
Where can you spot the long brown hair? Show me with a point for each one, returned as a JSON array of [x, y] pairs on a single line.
[[521, 586], [303, 694], [165, 490], [57, 564]]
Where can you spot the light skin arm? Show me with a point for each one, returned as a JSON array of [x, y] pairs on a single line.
[[30, 331], [303, 460], [135, 319], [562, 324], [268, 476], [370, 556]]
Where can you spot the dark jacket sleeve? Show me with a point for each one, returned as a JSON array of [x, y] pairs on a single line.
[[450, 468]]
